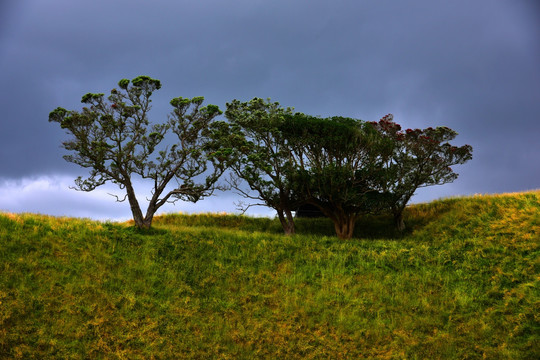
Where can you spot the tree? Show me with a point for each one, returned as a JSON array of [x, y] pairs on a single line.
[[337, 163], [259, 155], [114, 138], [416, 158]]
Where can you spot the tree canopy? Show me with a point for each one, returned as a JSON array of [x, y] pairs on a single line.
[[260, 155], [337, 161], [417, 158], [345, 167]]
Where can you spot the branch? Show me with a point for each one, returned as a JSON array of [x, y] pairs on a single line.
[[117, 198], [241, 206], [233, 183]]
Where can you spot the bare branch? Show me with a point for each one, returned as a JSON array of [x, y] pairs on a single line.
[[117, 198], [243, 207]]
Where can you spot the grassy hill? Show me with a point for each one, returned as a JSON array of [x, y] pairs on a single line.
[[462, 283]]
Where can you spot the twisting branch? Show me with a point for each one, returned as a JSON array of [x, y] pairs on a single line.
[[117, 198], [243, 207]]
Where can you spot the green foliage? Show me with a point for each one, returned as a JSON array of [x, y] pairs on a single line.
[[461, 284], [337, 161], [114, 138], [89, 98], [123, 84], [259, 154], [180, 101], [349, 168], [416, 158], [346, 167], [144, 82]]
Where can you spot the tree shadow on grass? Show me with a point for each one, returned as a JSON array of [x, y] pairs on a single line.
[[381, 226]]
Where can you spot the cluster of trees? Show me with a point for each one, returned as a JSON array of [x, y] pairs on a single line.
[[345, 167]]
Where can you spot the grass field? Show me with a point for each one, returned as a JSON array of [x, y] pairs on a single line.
[[462, 283]]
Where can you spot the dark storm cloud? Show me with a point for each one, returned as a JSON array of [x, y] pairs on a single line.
[[472, 66]]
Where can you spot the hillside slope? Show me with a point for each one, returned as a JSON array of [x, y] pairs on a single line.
[[462, 283]]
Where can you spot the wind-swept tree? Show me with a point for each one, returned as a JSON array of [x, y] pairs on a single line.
[[262, 156], [114, 138], [337, 164], [417, 158]]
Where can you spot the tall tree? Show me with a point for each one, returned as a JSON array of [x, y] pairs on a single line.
[[416, 158], [337, 161], [114, 138], [261, 155]]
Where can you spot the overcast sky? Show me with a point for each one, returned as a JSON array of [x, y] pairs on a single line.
[[471, 65]]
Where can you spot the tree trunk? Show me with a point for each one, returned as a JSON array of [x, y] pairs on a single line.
[[398, 220], [290, 221], [287, 221], [344, 226], [150, 212], [138, 217], [147, 223]]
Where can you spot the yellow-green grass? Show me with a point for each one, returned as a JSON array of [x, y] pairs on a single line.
[[462, 283]]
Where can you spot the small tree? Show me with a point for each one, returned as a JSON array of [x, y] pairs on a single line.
[[337, 161], [416, 158], [260, 155], [114, 138]]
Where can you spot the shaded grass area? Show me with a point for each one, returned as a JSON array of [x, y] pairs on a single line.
[[463, 283]]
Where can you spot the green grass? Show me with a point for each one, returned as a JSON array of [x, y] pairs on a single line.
[[462, 283]]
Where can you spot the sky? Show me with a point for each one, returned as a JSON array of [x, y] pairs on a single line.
[[473, 66]]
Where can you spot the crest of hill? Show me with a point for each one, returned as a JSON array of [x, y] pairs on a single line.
[[501, 217], [508, 216]]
